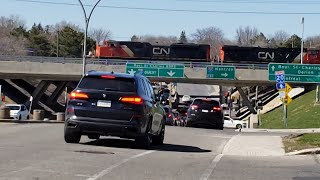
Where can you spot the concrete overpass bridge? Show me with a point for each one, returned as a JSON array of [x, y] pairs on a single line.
[[17, 71]]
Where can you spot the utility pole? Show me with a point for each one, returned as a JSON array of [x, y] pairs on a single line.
[[87, 20], [58, 43], [301, 55]]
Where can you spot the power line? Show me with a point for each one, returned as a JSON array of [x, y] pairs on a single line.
[[176, 10], [253, 2]]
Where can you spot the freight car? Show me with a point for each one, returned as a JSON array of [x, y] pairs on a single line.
[[257, 55], [144, 50]]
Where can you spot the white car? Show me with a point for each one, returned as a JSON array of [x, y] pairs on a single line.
[[232, 123], [18, 111]]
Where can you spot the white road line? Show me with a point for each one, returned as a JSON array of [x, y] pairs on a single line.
[[215, 161], [109, 169], [209, 170]]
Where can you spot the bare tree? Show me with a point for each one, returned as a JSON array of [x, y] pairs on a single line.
[[245, 36], [280, 37], [312, 42], [100, 35], [9, 44], [10, 23], [212, 36]]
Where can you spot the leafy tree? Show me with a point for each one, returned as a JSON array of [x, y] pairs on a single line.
[[183, 37], [134, 38], [71, 42], [293, 42], [38, 40]]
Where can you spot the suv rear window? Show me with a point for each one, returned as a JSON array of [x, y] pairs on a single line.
[[117, 84], [205, 102]]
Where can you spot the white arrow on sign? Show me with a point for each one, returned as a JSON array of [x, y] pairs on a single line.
[[225, 74], [273, 68], [171, 73], [131, 72]]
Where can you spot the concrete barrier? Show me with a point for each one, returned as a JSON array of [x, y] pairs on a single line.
[[5, 113], [60, 116], [38, 114]]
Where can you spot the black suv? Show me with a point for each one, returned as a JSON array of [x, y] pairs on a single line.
[[205, 112], [114, 104]]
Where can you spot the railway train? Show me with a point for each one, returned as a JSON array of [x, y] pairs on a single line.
[[201, 53]]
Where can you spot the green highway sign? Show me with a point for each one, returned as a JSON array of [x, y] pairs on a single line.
[[221, 72], [306, 73], [156, 70]]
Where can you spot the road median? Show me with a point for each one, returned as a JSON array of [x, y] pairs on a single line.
[[301, 144]]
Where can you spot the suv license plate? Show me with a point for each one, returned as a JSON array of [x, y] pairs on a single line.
[[204, 110], [104, 103]]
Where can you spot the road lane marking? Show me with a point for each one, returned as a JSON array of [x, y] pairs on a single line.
[[109, 169], [209, 170], [207, 173], [229, 143]]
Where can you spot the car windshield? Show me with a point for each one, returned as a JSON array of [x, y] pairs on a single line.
[[116, 84], [13, 107]]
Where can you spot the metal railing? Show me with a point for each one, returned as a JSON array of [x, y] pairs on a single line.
[[64, 60]]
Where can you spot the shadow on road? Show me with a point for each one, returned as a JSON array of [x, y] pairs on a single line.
[[124, 143]]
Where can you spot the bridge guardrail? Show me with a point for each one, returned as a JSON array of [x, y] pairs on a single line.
[[89, 60]]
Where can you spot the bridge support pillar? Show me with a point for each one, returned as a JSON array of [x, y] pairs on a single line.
[[246, 100], [57, 92], [39, 91]]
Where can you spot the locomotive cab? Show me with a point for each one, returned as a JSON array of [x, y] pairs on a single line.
[[312, 57]]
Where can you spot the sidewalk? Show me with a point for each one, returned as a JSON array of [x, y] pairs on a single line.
[[29, 121], [311, 130], [246, 145]]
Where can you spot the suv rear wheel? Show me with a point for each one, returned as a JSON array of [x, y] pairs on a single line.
[[158, 140], [71, 136], [146, 140]]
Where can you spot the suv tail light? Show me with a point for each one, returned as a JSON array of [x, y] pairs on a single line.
[[132, 100], [169, 115], [216, 108], [78, 95], [108, 77], [193, 107]]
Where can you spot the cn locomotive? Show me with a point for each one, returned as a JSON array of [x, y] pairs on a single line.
[[145, 50]]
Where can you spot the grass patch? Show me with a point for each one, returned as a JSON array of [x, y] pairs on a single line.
[[302, 113], [300, 142]]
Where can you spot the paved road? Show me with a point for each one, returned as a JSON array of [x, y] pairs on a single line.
[[37, 151]]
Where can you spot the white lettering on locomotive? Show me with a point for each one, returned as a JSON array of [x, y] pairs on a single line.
[[265, 55], [161, 51]]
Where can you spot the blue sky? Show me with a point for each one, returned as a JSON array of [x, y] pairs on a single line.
[[123, 23]]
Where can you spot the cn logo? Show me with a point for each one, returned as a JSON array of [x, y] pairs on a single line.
[[265, 55], [161, 51]]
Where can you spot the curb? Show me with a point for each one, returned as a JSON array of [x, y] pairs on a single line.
[[311, 130], [304, 152], [30, 121]]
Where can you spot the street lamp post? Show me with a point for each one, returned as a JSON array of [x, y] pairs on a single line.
[[301, 55], [87, 20]]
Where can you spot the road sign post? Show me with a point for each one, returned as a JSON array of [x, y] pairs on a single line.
[[156, 70], [221, 72], [281, 79]]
